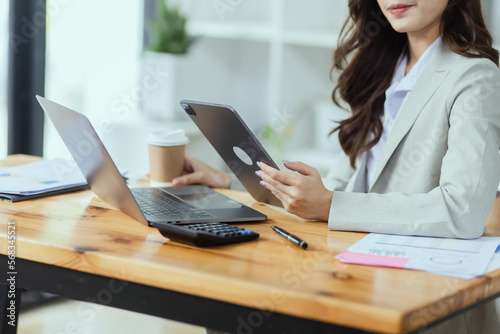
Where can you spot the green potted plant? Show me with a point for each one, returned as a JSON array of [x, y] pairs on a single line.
[[169, 42], [167, 30]]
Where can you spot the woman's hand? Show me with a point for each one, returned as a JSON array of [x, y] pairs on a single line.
[[197, 172], [302, 194]]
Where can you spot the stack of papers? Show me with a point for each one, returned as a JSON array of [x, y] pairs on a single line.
[[495, 261], [452, 257], [40, 177]]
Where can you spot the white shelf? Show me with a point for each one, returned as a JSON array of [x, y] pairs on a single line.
[[232, 31], [262, 33], [311, 39]]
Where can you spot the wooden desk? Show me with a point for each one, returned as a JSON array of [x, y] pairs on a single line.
[[77, 246]]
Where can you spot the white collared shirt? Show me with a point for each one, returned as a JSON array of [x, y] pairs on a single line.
[[395, 96]]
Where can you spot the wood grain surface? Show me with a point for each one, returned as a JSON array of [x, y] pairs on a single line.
[[81, 232]]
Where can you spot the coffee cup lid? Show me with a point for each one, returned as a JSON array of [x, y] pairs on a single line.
[[167, 138]]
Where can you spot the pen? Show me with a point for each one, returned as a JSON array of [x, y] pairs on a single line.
[[299, 242]]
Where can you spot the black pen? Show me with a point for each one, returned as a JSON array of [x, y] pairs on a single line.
[[299, 242]]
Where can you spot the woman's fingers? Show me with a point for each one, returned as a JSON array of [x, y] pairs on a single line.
[[275, 174], [198, 172], [300, 167], [301, 193]]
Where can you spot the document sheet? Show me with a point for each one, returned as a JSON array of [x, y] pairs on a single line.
[[452, 257], [495, 261], [40, 176]]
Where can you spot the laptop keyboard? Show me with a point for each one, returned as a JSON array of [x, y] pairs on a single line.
[[163, 206]]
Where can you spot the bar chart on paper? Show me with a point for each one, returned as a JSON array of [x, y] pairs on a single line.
[[452, 257], [40, 176]]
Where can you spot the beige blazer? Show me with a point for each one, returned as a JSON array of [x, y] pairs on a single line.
[[440, 168]]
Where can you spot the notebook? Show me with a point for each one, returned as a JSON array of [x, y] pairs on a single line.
[[150, 206]]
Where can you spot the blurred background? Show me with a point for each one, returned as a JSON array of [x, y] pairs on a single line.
[[269, 59]]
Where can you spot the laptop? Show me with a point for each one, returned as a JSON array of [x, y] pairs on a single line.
[[151, 206], [235, 143]]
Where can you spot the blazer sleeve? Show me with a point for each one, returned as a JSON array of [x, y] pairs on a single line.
[[470, 172], [340, 173]]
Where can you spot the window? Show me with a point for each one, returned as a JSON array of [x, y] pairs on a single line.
[[4, 32], [92, 60]]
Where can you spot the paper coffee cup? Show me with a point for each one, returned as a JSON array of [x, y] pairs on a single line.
[[166, 156]]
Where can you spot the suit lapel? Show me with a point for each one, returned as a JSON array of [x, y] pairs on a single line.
[[358, 180], [430, 80]]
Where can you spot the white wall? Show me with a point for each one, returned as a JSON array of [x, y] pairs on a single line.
[[494, 22]]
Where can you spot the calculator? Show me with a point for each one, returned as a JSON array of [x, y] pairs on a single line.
[[206, 234]]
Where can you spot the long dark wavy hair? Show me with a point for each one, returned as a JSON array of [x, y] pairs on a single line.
[[367, 54]]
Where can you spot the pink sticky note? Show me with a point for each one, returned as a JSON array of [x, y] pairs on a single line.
[[372, 260]]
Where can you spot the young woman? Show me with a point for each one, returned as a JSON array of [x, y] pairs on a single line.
[[422, 145], [421, 79]]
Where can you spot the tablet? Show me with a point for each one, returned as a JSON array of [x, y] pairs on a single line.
[[235, 143]]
